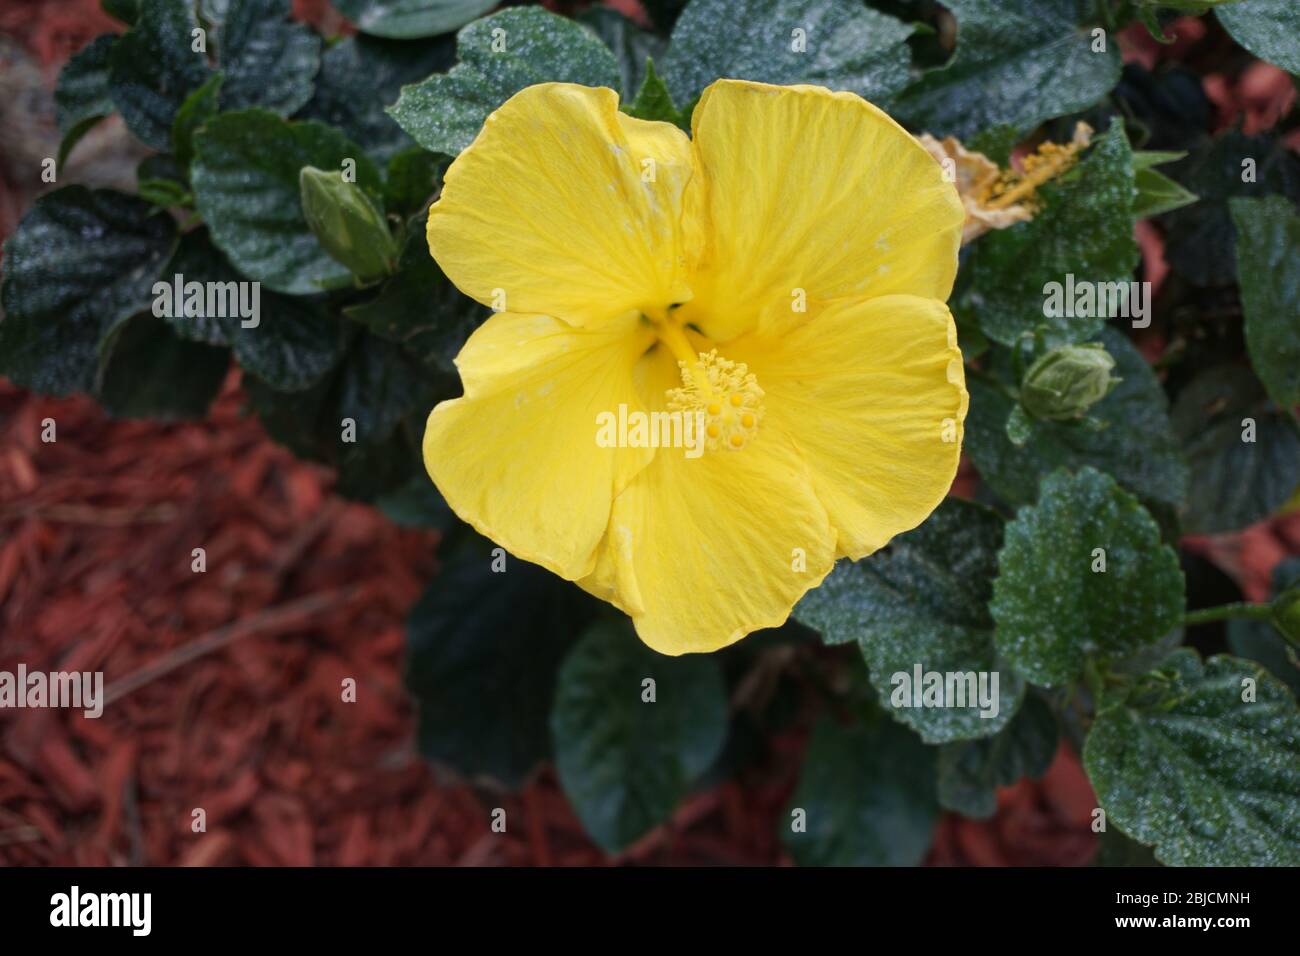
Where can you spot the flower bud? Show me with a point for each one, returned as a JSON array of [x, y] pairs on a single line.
[[1286, 614], [1067, 381], [346, 223]]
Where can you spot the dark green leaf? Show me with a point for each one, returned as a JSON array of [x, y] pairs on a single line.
[[198, 260], [1052, 604], [1185, 764], [1137, 445], [80, 263], [626, 762], [1018, 63], [268, 61], [405, 19], [446, 111], [245, 178], [199, 107], [971, 771], [1085, 230], [653, 101], [164, 193], [81, 98], [1268, 267], [128, 11], [923, 602], [484, 648], [1238, 482], [295, 342], [151, 373], [833, 43], [413, 176], [153, 67], [1270, 29], [867, 795], [381, 68], [1199, 239], [632, 46]]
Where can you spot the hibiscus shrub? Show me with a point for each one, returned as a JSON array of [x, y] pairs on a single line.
[[281, 216]]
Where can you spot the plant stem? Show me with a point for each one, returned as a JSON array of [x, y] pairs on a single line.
[[1240, 609]]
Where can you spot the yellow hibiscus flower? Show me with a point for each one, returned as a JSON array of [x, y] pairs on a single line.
[[782, 273]]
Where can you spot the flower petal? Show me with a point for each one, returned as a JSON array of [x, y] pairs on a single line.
[[702, 551], [517, 456], [566, 207], [799, 188], [873, 393]]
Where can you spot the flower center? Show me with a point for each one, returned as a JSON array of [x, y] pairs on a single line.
[[726, 392]]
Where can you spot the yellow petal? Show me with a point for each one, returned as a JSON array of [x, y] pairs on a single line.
[[873, 394], [517, 456], [563, 205], [702, 551], [798, 188]]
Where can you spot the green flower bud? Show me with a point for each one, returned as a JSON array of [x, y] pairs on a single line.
[[1067, 381], [347, 224], [1286, 614]]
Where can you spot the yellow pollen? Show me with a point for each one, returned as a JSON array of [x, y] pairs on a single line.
[[737, 441], [747, 421]]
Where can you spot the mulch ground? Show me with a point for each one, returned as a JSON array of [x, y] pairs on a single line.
[[226, 684]]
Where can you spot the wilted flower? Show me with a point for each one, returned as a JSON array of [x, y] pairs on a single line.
[[781, 274], [995, 198]]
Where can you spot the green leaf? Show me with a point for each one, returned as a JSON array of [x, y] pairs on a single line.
[[407, 19], [164, 193], [1018, 63], [1270, 29], [867, 797], [653, 101], [152, 373], [632, 46], [420, 309], [1199, 239], [199, 107], [1156, 192], [379, 386], [295, 342], [969, 772], [483, 651], [197, 260], [923, 602], [1259, 642], [842, 45], [625, 762], [1268, 267], [1085, 230], [153, 68], [81, 98], [412, 177], [1238, 482], [245, 179], [446, 111], [1185, 764], [381, 68], [1137, 446], [268, 61], [80, 263], [1052, 609]]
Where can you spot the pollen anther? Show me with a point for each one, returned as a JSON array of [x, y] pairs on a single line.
[[727, 393]]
